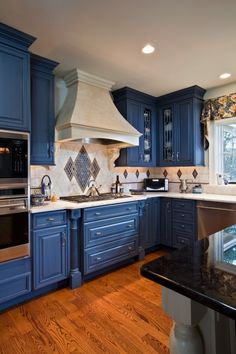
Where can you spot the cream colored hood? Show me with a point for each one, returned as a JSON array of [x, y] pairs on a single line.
[[89, 113]]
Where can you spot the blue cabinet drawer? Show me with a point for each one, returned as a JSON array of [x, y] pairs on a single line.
[[183, 205], [183, 216], [15, 279], [48, 219], [180, 240], [102, 231], [183, 227], [100, 257], [109, 211]]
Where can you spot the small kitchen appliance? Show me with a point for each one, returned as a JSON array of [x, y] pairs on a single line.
[[156, 184]]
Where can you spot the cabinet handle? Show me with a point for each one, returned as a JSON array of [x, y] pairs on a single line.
[[173, 156], [182, 241], [129, 226], [97, 213], [98, 233], [98, 258], [63, 239], [130, 248], [129, 208], [183, 226], [177, 156], [51, 219], [182, 215]]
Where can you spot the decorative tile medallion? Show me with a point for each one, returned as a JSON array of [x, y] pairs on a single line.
[[148, 173], [95, 168], [69, 168], [125, 174], [165, 173], [82, 168], [137, 173], [179, 173], [195, 174]]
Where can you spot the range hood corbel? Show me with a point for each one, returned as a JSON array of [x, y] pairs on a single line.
[[89, 113]]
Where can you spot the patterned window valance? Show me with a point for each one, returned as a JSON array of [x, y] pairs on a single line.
[[219, 108]]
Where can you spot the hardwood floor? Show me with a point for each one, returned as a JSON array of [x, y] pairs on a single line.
[[116, 313]]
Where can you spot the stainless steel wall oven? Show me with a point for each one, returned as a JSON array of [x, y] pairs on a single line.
[[14, 195]]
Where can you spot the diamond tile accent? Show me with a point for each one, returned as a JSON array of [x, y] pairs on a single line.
[[82, 168], [137, 173], [195, 173], [69, 168], [165, 173], [148, 173], [179, 173], [125, 174], [95, 169]]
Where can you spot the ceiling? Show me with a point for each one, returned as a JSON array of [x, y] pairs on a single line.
[[194, 40]]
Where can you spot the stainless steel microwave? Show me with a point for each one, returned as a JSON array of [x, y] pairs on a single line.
[[156, 184]]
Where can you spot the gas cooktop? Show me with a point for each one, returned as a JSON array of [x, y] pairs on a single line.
[[86, 198]]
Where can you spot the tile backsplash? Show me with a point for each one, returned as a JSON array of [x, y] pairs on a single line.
[[76, 164]]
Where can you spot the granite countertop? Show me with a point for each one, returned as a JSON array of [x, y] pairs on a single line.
[[204, 272], [60, 204]]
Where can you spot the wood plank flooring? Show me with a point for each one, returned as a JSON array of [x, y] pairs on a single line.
[[117, 313]]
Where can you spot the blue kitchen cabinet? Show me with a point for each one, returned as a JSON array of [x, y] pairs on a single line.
[[15, 79], [166, 222], [150, 233], [181, 133], [140, 111], [15, 279], [42, 111], [110, 236], [50, 248]]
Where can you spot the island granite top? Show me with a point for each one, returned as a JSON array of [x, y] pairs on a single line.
[[204, 272]]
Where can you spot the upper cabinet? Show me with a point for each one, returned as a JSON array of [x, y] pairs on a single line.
[[140, 111], [15, 79], [181, 133], [42, 110]]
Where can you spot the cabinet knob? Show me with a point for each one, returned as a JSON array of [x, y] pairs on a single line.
[[51, 219], [98, 233], [63, 239], [97, 213], [130, 248], [183, 226], [182, 215], [182, 241], [129, 208], [98, 258], [129, 226]]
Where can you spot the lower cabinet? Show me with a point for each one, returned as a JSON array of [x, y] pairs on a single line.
[[15, 279], [110, 236], [178, 222], [50, 248], [150, 231], [166, 222]]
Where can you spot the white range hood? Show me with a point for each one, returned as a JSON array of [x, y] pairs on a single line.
[[89, 114]]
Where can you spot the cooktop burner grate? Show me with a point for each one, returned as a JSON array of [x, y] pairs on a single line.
[[86, 198]]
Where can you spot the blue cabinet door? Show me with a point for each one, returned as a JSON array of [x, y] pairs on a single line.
[[166, 222], [151, 224], [140, 111], [50, 250], [14, 89], [42, 111]]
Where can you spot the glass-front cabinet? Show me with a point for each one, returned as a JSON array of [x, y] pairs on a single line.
[[140, 111], [168, 154]]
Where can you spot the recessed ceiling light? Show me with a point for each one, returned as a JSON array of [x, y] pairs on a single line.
[[225, 76], [148, 49]]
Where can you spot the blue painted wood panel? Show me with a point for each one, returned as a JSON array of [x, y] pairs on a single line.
[[14, 89], [109, 211], [15, 279], [50, 250], [42, 107], [150, 233], [49, 219]]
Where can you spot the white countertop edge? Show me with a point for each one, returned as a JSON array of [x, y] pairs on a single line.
[[61, 204]]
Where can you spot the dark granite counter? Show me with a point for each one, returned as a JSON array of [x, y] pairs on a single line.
[[205, 272]]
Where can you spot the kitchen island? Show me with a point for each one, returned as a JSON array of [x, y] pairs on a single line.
[[199, 293]]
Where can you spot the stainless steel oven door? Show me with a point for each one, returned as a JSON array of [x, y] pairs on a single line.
[[14, 229]]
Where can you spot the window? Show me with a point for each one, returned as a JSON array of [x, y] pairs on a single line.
[[225, 149]]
